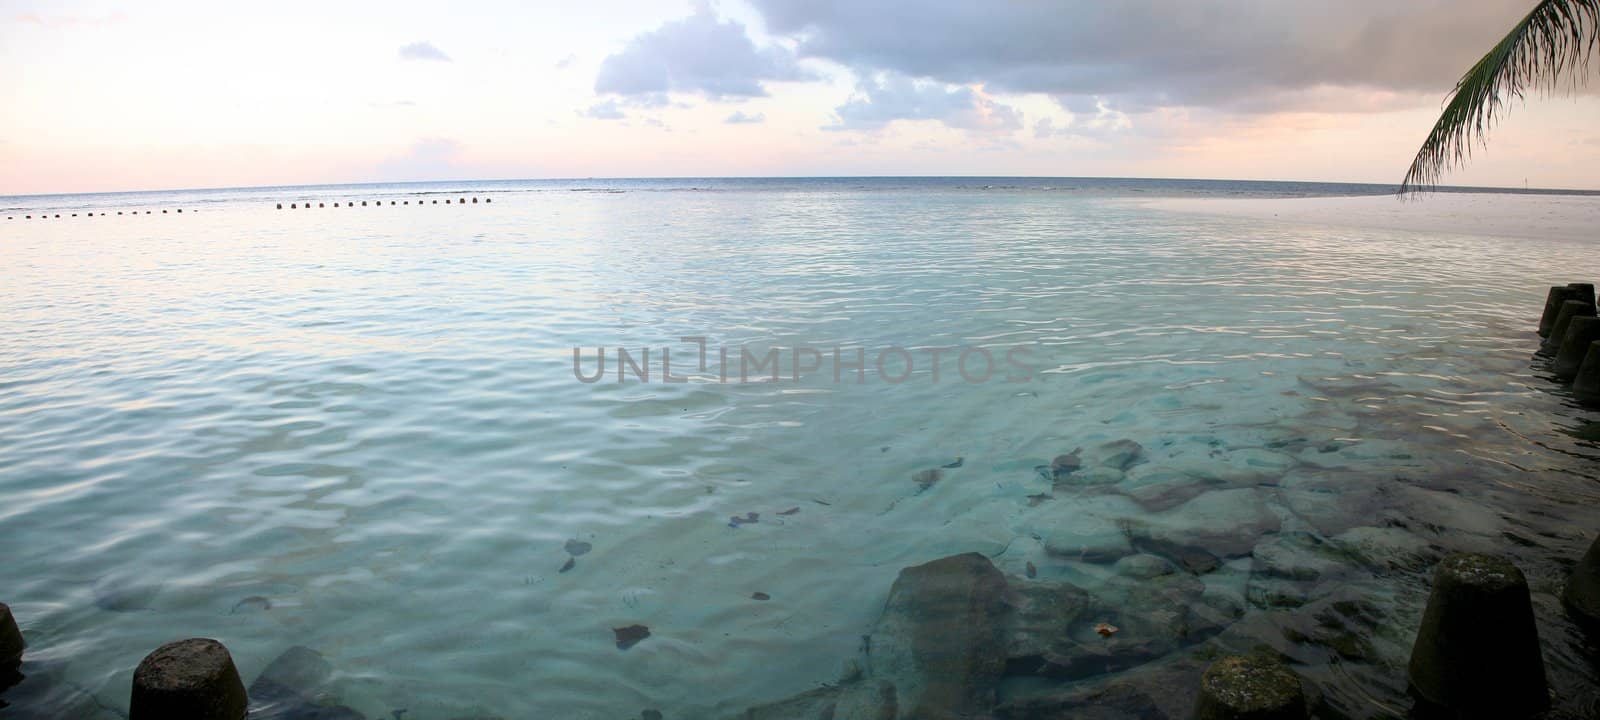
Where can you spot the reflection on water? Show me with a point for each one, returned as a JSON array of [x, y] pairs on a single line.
[[360, 433]]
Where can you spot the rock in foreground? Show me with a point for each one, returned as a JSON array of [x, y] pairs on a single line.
[[193, 679]]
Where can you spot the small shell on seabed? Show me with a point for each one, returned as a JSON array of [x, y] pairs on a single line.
[[1105, 629], [760, 596]]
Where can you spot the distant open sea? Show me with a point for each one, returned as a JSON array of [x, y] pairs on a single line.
[[1085, 187], [361, 429]]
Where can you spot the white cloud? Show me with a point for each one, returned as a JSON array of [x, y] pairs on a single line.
[[881, 100], [700, 54], [604, 110], [423, 51]]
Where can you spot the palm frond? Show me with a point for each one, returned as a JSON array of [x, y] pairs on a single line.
[[1556, 38]]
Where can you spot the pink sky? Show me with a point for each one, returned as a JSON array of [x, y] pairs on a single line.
[[106, 96]]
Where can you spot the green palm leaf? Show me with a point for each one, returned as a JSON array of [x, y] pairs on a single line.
[[1557, 37]]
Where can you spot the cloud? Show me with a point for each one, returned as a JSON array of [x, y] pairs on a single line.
[[740, 118], [1100, 121], [882, 100], [423, 51], [698, 54], [1046, 128], [1137, 55], [567, 61], [604, 110]]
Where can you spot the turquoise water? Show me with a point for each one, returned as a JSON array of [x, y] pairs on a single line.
[[359, 429]]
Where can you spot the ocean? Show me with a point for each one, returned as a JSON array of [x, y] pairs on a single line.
[[377, 430]]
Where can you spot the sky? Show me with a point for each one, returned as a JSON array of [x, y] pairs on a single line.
[[105, 96]]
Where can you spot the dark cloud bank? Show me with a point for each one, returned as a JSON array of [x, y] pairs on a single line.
[[917, 59], [1232, 54]]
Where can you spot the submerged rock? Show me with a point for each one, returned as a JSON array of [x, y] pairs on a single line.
[[1285, 568], [1225, 523], [124, 596], [630, 636], [939, 641], [1087, 477], [937, 651], [1087, 529], [953, 628], [1117, 701], [819, 704], [1344, 627], [295, 687], [47, 693], [1582, 595], [1042, 614], [1386, 548], [873, 701], [857, 700], [1143, 566], [1064, 465], [1195, 560], [1250, 688], [1161, 490], [1060, 631], [1120, 454]]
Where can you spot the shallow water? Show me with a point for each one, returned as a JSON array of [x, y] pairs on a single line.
[[359, 429]]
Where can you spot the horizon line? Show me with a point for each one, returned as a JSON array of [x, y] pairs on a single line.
[[1394, 186]]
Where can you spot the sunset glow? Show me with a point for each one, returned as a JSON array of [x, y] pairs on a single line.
[[106, 96]]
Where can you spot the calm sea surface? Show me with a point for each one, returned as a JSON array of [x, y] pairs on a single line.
[[359, 430]]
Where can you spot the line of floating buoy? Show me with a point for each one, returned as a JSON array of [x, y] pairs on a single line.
[[379, 203], [49, 216]]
